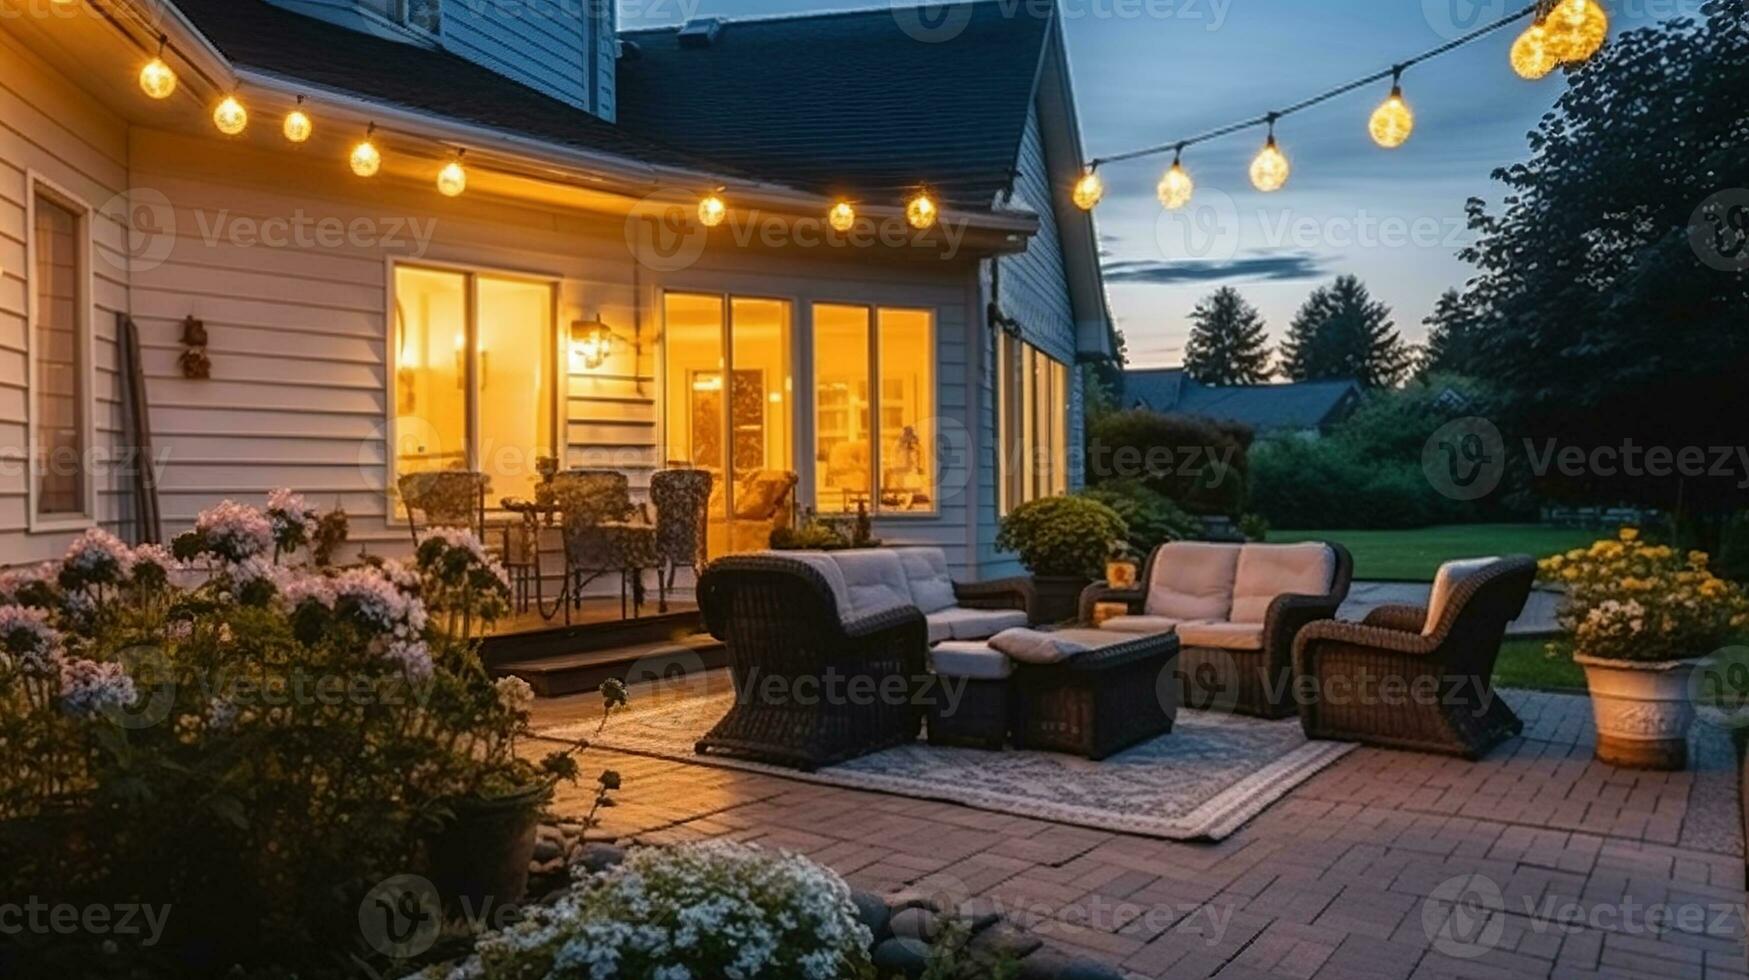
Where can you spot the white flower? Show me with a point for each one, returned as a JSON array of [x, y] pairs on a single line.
[[234, 532], [88, 687], [99, 552], [514, 693], [13, 580], [221, 714]]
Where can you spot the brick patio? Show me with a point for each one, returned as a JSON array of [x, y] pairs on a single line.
[[1552, 861]]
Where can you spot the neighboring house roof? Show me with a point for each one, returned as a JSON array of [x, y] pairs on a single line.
[[1300, 405], [848, 103]]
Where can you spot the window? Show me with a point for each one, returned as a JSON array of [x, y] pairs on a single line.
[[474, 375], [423, 14], [1032, 397], [874, 430], [60, 358]]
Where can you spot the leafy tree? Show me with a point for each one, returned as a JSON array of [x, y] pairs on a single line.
[[1453, 336], [1342, 332], [1614, 280], [1227, 345]]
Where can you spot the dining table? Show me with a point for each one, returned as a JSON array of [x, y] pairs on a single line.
[[639, 538]]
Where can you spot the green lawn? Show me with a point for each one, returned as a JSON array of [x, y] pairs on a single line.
[[1415, 555], [1526, 663]]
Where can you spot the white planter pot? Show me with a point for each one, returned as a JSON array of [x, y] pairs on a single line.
[[1643, 711]]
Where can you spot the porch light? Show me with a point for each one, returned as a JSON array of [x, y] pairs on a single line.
[[591, 341], [1176, 187], [366, 160], [453, 178], [1088, 190], [1269, 171], [157, 79], [297, 124], [1393, 120], [1532, 55], [920, 211], [230, 116], [842, 217], [711, 210]]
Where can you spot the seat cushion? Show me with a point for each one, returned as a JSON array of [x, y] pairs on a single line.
[[1035, 647], [820, 562], [973, 660], [873, 579], [1269, 570], [1445, 582], [1140, 625], [940, 627], [1193, 580], [974, 624], [927, 577], [1221, 635]]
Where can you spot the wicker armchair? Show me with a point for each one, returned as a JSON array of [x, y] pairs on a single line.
[[682, 498], [780, 619], [1391, 681], [1249, 682], [595, 508]]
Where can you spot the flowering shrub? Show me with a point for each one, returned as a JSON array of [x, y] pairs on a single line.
[[706, 910], [1630, 600], [229, 728]]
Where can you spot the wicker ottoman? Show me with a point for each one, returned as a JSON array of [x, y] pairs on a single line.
[[1098, 702], [968, 702]]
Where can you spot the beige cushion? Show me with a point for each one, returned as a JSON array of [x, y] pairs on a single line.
[[1193, 580], [1269, 570], [1221, 635], [927, 577], [820, 562], [940, 627], [873, 579], [974, 661], [1445, 582], [1140, 625], [1034, 647], [974, 624]]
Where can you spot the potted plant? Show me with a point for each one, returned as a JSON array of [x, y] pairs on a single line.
[[1639, 619], [1063, 542]]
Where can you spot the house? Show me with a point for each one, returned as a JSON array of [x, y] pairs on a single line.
[[1309, 407], [482, 242]]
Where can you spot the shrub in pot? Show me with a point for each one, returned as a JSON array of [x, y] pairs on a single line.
[[1063, 542], [1639, 618]]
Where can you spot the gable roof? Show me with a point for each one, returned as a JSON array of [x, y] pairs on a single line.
[[1300, 405], [860, 103]]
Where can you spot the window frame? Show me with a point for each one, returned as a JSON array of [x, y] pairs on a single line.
[[876, 450], [37, 187], [1016, 400], [557, 378]]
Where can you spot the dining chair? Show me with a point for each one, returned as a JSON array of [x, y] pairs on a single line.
[[682, 499]]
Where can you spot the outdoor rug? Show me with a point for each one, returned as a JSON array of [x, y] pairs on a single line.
[[1201, 782]]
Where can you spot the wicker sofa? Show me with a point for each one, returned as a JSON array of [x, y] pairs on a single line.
[[1236, 610], [1414, 678]]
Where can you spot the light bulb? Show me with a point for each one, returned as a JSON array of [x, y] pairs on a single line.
[[1088, 190], [452, 179], [366, 161], [920, 211], [1392, 121], [1576, 29], [842, 217], [298, 126], [157, 79], [1270, 168], [1532, 56], [1175, 187], [711, 211], [230, 116]]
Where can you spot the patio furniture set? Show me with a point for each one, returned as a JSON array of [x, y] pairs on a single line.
[[838, 654]]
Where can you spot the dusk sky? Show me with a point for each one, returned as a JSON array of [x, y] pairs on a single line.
[[1154, 71]]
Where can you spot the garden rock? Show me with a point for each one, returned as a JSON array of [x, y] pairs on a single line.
[[917, 923], [873, 912], [1082, 968], [547, 850], [1002, 941], [597, 857], [904, 956], [1045, 964]]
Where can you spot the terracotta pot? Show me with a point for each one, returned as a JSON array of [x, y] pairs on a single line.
[[1057, 598], [482, 855], [1642, 710]]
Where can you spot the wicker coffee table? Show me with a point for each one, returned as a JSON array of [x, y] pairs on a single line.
[[1099, 702]]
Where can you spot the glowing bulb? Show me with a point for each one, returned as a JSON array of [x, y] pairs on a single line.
[[1576, 29], [298, 126], [711, 211], [1532, 55], [842, 217], [157, 80], [1392, 121], [1270, 168], [1088, 190], [230, 116], [452, 179], [920, 211], [1175, 187], [366, 160]]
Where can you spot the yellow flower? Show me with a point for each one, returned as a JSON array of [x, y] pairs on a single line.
[[1629, 533]]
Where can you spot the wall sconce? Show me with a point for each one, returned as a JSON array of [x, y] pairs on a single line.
[[591, 340], [194, 362]]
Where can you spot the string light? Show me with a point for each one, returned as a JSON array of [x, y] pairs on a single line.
[[1088, 190], [297, 124], [920, 211], [1270, 169], [1576, 29], [1175, 187], [366, 160], [156, 78], [230, 116], [1393, 120], [453, 178], [842, 217], [712, 210], [1532, 56]]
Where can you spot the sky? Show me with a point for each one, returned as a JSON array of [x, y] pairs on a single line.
[[1148, 72]]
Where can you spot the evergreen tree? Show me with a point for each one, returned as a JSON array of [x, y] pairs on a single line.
[[1227, 344], [1342, 332], [1452, 335]]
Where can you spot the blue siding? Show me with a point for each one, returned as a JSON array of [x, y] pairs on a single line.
[[541, 43]]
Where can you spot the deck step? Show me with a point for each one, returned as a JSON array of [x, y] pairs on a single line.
[[584, 670]]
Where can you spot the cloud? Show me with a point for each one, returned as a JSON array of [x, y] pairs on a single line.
[[1267, 268]]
